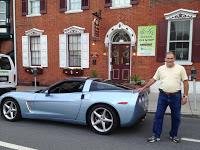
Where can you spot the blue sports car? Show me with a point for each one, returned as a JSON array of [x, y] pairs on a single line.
[[99, 103]]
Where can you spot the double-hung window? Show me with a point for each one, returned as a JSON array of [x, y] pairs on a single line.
[[179, 39], [74, 50], [2, 13], [179, 33], [34, 6], [117, 4], [74, 4], [35, 51]]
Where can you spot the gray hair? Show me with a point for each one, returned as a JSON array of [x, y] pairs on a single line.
[[170, 52]]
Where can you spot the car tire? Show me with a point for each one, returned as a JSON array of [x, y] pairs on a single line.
[[11, 110], [103, 119]]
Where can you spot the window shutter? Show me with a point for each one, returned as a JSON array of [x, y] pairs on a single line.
[[134, 2], [162, 40], [85, 50], [24, 7], [63, 5], [85, 4], [196, 41], [107, 3], [43, 6], [25, 51], [44, 51], [63, 50]]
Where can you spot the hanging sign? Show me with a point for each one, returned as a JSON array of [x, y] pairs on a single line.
[[146, 44], [95, 25]]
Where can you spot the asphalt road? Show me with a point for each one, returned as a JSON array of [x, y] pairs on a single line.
[[47, 135]]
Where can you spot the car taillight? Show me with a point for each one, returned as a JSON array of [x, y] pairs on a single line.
[[138, 99]]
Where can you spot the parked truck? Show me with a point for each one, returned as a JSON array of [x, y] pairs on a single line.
[[7, 74]]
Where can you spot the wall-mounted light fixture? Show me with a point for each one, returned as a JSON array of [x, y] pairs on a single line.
[[93, 41], [104, 52], [134, 52]]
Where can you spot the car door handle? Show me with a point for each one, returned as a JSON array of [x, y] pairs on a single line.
[[82, 96]]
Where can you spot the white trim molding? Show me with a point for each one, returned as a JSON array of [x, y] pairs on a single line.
[[120, 27], [74, 30], [181, 14], [34, 32]]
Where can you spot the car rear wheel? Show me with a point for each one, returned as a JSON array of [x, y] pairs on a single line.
[[103, 119], [11, 110]]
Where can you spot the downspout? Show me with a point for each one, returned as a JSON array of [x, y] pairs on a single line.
[[14, 33]]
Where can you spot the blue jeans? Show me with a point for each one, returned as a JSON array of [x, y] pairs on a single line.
[[174, 102]]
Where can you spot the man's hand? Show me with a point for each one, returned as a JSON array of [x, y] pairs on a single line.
[[184, 101], [140, 89]]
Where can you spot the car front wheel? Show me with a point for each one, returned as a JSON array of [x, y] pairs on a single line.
[[103, 119], [11, 110]]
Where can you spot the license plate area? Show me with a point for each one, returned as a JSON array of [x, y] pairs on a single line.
[[3, 78]]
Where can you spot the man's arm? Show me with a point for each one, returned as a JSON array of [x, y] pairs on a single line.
[[151, 81], [186, 88]]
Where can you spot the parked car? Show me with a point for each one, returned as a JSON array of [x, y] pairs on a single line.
[[99, 103], [7, 74]]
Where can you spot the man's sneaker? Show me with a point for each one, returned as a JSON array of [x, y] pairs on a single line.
[[153, 139], [175, 139]]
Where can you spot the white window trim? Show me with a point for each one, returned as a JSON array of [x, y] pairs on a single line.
[[184, 62], [74, 30], [121, 6], [181, 15], [72, 11], [31, 33], [29, 11]]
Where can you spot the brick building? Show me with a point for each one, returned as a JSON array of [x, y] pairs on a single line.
[[6, 28], [102, 35]]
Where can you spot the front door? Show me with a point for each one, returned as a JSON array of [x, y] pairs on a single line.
[[120, 62]]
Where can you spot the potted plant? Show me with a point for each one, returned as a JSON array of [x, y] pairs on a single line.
[[73, 71], [135, 81]]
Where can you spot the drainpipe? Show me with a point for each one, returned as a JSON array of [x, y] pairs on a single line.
[[14, 41]]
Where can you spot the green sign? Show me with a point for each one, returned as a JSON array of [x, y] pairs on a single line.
[[146, 44], [3, 71]]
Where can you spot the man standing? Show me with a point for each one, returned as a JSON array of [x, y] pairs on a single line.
[[170, 75]]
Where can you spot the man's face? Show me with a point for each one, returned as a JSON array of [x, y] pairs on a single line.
[[169, 59]]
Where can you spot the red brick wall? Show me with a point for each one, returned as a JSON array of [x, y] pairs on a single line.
[[147, 12]]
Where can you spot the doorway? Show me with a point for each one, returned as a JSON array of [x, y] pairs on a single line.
[[120, 62]]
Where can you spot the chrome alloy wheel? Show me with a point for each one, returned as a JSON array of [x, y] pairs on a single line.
[[9, 110], [102, 119]]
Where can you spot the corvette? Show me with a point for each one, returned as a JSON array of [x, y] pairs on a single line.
[[99, 103]]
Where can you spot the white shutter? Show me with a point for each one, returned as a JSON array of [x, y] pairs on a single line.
[[25, 51], [85, 50], [44, 50], [63, 50]]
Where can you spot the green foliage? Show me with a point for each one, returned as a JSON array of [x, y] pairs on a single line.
[[135, 80], [94, 74]]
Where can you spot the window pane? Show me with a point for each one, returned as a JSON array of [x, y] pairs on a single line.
[[75, 50], [180, 30], [35, 6], [121, 2], [75, 4], [35, 51], [181, 50]]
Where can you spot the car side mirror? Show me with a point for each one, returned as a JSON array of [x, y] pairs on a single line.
[[47, 93]]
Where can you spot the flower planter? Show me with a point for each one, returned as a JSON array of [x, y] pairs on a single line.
[[74, 72], [30, 70]]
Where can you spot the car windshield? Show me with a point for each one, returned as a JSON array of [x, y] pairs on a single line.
[[97, 85], [4, 63]]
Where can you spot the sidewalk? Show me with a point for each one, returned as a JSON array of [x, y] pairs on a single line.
[[186, 110]]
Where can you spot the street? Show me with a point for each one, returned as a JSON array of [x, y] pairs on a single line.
[[47, 135]]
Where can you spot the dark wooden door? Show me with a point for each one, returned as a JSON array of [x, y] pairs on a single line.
[[120, 62]]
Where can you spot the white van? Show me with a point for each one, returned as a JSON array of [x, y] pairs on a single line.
[[7, 74]]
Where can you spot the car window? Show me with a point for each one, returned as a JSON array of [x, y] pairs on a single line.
[[4, 63], [105, 85], [68, 87]]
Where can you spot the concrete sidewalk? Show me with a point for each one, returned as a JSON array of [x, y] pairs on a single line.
[[186, 110]]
